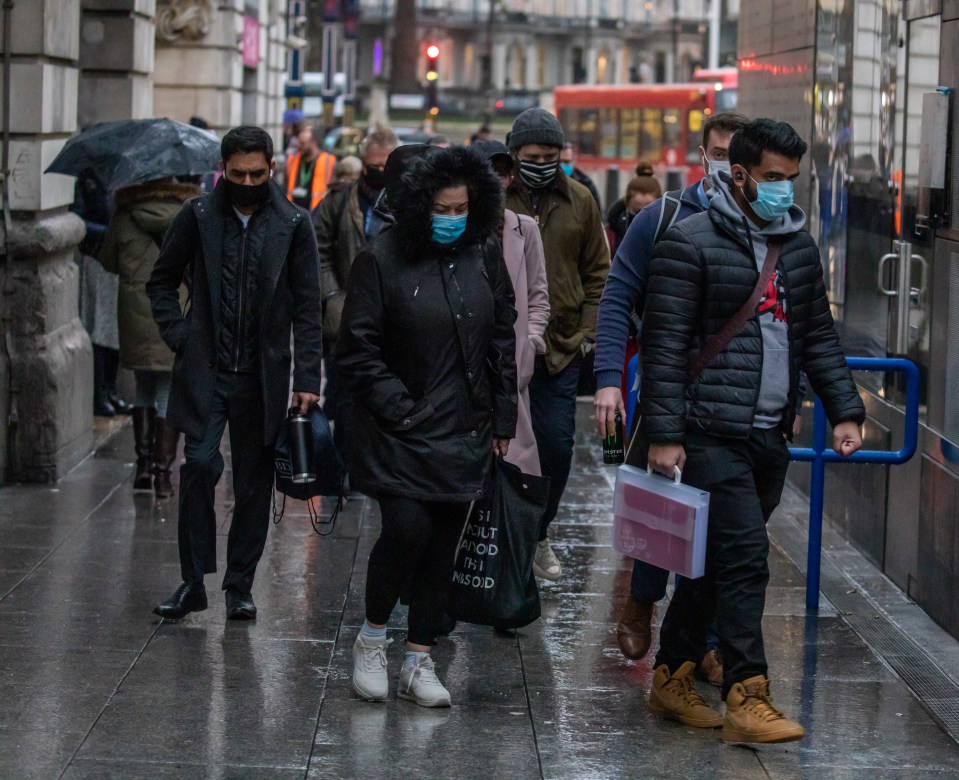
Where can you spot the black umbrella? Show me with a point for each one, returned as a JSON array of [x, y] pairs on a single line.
[[137, 150]]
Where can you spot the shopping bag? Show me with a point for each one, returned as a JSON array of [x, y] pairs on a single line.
[[330, 469], [493, 582], [660, 521]]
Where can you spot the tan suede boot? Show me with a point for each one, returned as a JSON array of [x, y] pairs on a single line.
[[751, 716], [634, 632], [674, 697]]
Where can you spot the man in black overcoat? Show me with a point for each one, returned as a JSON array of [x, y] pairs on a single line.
[[248, 257]]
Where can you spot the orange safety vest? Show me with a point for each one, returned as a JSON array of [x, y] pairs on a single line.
[[322, 176]]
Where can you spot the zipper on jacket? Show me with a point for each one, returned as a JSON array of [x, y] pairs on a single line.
[[241, 283]]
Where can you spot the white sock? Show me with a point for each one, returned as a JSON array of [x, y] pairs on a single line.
[[369, 632], [412, 658]]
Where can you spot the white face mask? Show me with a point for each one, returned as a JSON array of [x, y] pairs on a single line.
[[716, 166]]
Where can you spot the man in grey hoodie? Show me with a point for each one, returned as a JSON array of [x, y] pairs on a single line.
[[726, 425]]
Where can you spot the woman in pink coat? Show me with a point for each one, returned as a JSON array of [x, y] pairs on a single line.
[[523, 252]]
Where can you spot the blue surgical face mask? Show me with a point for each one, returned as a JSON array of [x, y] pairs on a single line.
[[773, 199], [567, 168], [447, 228]]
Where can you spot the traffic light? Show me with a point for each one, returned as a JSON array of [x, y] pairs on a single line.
[[432, 76], [432, 59]]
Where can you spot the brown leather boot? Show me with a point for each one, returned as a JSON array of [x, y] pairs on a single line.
[[751, 716], [673, 696], [144, 433], [634, 630], [164, 455]]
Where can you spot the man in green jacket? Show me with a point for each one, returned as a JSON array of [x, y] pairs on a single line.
[[577, 262]]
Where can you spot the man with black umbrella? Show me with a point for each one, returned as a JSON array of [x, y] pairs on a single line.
[[249, 258]]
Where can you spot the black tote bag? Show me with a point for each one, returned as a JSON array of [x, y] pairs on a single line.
[[493, 581], [330, 469]]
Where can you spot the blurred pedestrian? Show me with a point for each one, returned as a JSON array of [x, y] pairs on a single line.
[[309, 171], [249, 259], [523, 254], [346, 171], [98, 294], [718, 404], [343, 223], [619, 312], [293, 121], [482, 134], [130, 250], [567, 161], [426, 350], [577, 262], [642, 190]]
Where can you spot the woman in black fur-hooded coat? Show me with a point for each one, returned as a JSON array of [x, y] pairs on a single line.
[[426, 349]]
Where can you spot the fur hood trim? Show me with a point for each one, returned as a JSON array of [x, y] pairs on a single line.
[[427, 175], [155, 190]]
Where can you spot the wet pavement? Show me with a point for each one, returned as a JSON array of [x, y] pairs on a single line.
[[93, 685]]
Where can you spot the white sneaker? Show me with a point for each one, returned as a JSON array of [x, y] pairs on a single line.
[[545, 562], [420, 684], [370, 679]]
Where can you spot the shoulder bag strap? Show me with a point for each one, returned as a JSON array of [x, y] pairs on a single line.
[[718, 342]]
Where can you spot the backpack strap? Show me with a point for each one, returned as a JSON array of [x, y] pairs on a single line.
[[668, 213]]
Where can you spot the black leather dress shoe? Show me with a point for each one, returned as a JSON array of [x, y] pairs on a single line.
[[189, 597], [239, 606]]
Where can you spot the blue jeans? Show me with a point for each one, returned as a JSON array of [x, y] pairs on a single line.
[[552, 400]]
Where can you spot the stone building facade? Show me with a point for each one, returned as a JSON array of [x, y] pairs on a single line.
[[511, 50], [70, 64]]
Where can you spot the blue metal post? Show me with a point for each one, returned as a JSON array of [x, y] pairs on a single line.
[[817, 488], [818, 455]]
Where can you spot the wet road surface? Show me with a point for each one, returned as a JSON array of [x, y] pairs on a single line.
[[93, 685]]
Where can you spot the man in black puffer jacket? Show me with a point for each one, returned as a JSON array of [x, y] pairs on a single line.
[[727, 426]]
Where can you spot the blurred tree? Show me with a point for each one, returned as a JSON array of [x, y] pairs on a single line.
[[405, 53]]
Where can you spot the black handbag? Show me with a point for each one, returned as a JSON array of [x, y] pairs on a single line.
[[493, 582], [329, 467]]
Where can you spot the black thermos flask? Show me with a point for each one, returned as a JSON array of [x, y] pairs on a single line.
[[300, 437], [613, 452]]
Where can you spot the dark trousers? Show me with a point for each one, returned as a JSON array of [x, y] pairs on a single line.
[[745, 481], [648, 583], [237, 400], [338, 407], [416, 546], [552, 401]]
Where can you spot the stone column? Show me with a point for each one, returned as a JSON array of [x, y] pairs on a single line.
[[116, 60], [198, 67], [45, 358]]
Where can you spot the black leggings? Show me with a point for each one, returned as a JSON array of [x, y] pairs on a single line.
[[416, 546]]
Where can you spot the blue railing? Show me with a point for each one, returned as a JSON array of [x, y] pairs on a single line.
[[819, 456]]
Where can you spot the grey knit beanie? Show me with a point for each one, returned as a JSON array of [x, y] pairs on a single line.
[[536, 126]]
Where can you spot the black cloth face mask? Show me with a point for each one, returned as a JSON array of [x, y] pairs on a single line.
[[245, 195]]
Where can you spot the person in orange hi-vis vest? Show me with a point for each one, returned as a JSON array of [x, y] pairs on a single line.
[[309, 172]]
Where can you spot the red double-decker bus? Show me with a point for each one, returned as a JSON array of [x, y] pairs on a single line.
[[613, 127]]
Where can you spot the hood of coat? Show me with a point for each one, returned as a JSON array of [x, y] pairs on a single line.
[[725, 211], [152, 206], [412, 208]]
